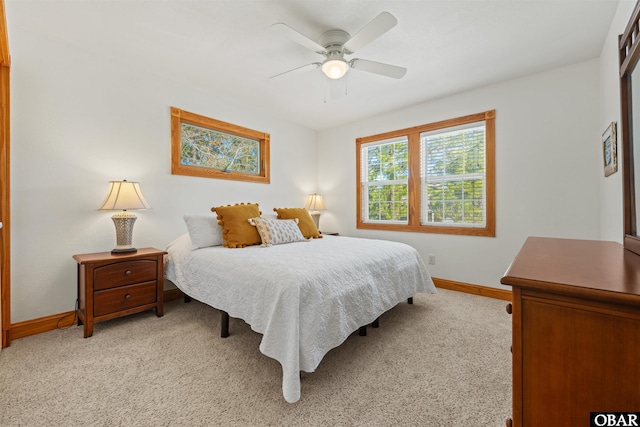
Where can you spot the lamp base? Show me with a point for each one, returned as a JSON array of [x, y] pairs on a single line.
[[316, 218], [124, 232], [123, 250]]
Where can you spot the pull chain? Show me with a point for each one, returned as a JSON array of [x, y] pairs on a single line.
[[326, 87]]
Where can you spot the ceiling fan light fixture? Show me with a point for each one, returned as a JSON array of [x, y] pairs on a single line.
[[335, 68]]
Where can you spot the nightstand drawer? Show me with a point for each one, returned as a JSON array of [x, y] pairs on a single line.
[[124, 273], [123, 298]]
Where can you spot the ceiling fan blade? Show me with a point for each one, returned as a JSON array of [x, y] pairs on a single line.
[[297, 37], [315, 65], [378, 68], [374, 29]]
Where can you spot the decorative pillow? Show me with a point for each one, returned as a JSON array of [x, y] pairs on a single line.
[[203, 230], [236, 230], [306, 224], [277, 231]]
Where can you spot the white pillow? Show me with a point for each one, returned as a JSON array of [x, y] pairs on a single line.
[[277, 231], [204, 230]]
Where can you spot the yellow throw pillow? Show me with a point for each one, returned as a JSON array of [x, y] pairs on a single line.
[[236, 230], [305, 222]]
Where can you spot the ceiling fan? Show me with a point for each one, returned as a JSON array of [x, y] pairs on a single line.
[[335, 44]]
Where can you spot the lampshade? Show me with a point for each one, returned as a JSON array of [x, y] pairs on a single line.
[[124, 195], [335, 68], [315, 203]]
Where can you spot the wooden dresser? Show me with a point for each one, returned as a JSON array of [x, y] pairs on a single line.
[[113, 285], [576, 331]]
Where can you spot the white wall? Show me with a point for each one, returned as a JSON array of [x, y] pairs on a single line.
[[548, 163], [79, 121], [612, 216]]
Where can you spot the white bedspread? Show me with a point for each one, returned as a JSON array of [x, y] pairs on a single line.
[[305, 298]]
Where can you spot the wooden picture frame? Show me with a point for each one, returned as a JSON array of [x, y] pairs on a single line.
[[610, 150], [209, 148]]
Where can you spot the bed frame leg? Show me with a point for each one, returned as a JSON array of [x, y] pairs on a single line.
[[376, 323], [224, 324], [362, 331], [410, 300], [187, 298]]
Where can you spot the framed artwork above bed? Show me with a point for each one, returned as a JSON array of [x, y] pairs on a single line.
[[206, 147]]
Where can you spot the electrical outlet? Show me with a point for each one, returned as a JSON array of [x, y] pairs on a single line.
[[432, 260]]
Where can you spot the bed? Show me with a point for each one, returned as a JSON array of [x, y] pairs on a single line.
[[305, 298]]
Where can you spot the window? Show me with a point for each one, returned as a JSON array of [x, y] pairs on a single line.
[[386, 185], [452, 176], [434, 178], [201, 146]]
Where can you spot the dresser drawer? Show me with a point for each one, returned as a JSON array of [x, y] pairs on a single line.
[[124, 298], [124, 273]]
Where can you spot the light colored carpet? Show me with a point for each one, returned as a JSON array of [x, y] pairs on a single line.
[[442, 361]]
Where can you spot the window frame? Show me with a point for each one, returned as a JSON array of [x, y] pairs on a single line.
[[414, 191], [179, 116]]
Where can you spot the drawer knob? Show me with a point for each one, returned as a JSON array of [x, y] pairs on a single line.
[[509, 422], [509, 308], [127, 296], [128, 272]]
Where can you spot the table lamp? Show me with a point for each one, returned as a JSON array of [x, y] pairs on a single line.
[[124, 196], [315, 204]]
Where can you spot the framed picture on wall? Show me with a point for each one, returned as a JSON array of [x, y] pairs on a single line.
[[610, 150], [209, 148]]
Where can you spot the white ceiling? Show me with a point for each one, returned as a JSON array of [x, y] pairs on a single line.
[[227, 47]]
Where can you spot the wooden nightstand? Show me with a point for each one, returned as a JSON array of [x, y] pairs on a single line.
[[114, 285]]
